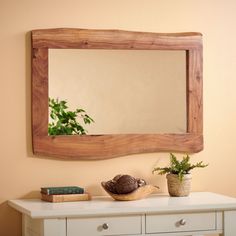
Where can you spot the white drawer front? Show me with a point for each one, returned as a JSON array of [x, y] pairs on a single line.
[[115, 225], [180, 222]]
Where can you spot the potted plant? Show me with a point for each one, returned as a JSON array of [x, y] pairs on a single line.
[[178, 175]]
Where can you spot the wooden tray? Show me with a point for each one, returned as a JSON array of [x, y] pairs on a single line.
[[66, 197], [137, 194]]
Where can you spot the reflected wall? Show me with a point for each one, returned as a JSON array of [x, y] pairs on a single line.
[[124, 91]]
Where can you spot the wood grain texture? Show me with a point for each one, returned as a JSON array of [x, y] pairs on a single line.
[[92, 147], [139, 193], [39, 85], [65, 197], [113, 39], [194, 92]]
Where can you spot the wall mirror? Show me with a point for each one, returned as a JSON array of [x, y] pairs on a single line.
[[143, 90]]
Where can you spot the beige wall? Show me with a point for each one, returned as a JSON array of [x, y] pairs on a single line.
[[21, 174]]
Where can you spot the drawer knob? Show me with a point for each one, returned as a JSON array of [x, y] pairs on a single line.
[[105, 226], [182, 222]]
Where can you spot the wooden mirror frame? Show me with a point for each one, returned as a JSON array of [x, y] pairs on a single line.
[[90, 147]]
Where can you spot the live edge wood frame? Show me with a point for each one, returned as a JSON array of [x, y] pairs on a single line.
[[91, 147]]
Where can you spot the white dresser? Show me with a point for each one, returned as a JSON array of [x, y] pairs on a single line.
[[201, 213]]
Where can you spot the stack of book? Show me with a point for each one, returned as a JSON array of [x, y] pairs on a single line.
[[64, 194]]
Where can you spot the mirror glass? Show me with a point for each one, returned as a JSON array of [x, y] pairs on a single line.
[[123, 91]]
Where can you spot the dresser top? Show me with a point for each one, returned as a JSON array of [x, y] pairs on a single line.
[[98, 206]]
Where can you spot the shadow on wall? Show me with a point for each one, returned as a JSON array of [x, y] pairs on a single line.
[[8, 216]]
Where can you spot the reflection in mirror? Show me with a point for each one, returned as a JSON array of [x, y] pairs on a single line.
[[124, 91]]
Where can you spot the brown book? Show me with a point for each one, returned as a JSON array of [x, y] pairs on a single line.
[[66, 197]]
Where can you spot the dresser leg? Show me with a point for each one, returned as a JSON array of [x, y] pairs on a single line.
[[229, 223]]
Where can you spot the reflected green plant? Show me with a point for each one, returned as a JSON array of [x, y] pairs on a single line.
[[65, 122]]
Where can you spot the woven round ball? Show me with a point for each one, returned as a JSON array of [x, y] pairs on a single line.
[[116, 177], [126, 184], [111, 186]]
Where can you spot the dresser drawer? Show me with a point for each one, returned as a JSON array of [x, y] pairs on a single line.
[[180, 222], [115, 225]]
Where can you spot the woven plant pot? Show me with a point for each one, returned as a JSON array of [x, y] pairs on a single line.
[[179, 188]]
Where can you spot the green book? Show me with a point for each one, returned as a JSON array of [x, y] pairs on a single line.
[[62, 190]]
